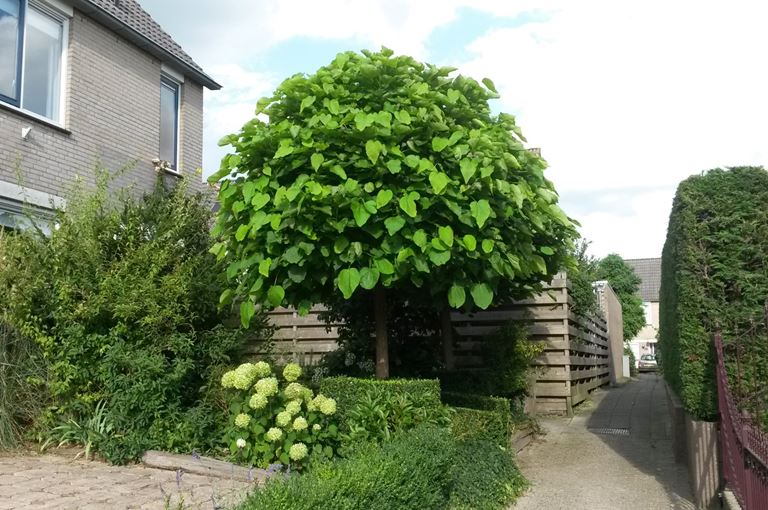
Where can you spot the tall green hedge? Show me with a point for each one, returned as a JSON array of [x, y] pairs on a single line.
[[714, 271]]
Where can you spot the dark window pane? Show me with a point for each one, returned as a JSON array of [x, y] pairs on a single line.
[[169, 99], [42, 64], [9, 46]]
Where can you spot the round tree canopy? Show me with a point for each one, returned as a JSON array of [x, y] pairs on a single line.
[[379, 170]]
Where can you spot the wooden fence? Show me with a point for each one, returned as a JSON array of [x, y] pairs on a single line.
[[574, 361]]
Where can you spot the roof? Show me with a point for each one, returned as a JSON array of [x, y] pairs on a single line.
[[127, 18], [649, 271]]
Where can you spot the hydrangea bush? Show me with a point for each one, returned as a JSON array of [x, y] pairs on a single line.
[[269, 424]]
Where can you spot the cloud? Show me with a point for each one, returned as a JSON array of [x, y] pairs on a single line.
[[627, 98]]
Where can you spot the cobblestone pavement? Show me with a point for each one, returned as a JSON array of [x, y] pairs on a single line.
[[582, 464], [52, 481]]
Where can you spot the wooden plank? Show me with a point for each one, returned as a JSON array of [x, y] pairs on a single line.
[[283, 320], [202, 466], [551, 389], [519, 313], [305, 333], [576, 375]]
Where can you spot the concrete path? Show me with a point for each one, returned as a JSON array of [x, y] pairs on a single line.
[[587, 463], [29, 481]]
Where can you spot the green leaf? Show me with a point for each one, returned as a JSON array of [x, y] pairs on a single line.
[[336, 169], [482, 295], [242, 231], [292, 255], [264, 266], [297, 274], [284, 149], [247, 311], [546, 250], [412, 160], [439, 181], [349, 279], [333, 106], [373, 149], [394, 224], [456, 296], [439, 143], [439, 258], [369, 277], [316, 160], [420, 238], [238, 207], [488, 83], [249, 188], [446, 235], [488, 245], [394, 166], [453, 95], [403, 117], [369, 187], [383, 197], [259, 200], [306, 103], [468, 168], [360, 213], [340, 244], [481, 211], [470, 242], [304, 308], [408, 204], [384, 266], [275, 295]]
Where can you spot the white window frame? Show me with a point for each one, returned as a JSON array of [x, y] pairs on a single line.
[[648, 313], [61, 13], [167, 77]]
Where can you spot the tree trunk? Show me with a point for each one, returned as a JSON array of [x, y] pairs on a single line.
[[446, 330], [382, 342]]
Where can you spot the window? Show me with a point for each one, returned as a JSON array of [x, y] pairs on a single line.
[[647, 309], [169, 121], [32, 42]]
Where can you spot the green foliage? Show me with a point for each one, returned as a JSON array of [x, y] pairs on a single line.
[[382, 171], [348, 391], [92, 434], [714, 271], [632, 361], [20, 372], [381, 413], [121, 301], [581, 275], [626, 284], [411, 472], [485, 477], [471, 424], [269, 424]]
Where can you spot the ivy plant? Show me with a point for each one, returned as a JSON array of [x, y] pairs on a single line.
[[382, 173]]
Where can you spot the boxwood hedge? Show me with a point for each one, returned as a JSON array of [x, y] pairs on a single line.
[[714, 271]]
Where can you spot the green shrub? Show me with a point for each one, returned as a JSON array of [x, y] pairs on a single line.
[[485, 477], [474, 424], [714, 271], [380, 413], [121, 301], [269, 424], [411, 472], [348, 390]]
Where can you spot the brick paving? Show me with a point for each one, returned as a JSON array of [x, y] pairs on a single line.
[[51, 481]]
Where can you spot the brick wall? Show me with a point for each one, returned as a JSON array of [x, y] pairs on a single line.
[[112, 113]]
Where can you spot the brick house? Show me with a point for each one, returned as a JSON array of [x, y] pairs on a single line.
[[649, 272], [87, 82]]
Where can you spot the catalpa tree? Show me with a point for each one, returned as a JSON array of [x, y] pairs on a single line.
[[380, 173]]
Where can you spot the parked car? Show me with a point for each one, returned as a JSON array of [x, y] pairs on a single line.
[[647, 363]]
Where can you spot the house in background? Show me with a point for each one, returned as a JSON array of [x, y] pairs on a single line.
[[92, 82], [649, 271]]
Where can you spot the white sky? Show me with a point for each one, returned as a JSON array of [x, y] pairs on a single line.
[[625, 98]]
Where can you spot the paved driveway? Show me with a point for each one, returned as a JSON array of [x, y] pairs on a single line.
[[615, 453], [31, 481]]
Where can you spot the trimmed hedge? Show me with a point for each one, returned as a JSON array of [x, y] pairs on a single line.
[[349, 390], [474, 424], [714, 271], [414, 471]]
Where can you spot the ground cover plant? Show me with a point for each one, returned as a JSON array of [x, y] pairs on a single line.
[[714, 274], [121, 302], [381, 174]]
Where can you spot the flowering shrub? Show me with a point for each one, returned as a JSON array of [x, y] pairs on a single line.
[[269, 425]]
